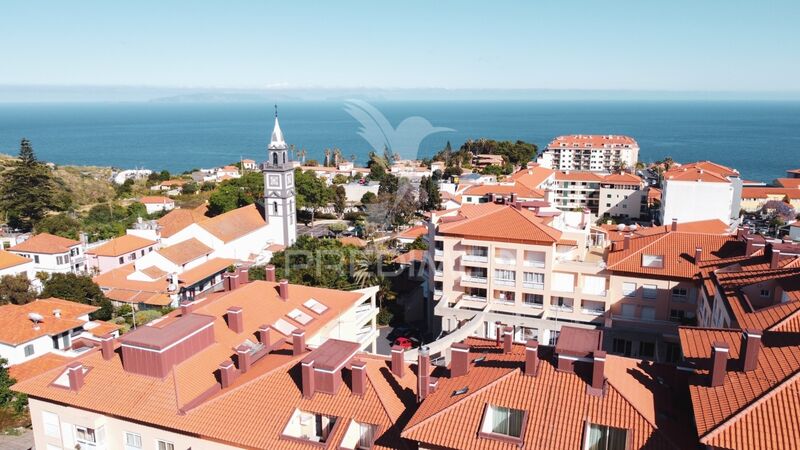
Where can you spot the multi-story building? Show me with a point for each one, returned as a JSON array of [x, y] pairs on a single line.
[[577, 190], [118, 252], [701, 191], [623, 195], [596, 153], [754, 198], [52, 254]]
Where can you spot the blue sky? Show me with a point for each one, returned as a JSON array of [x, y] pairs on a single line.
[[568, 44]]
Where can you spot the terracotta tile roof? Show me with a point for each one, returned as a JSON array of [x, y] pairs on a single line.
[[694, 174], [756, 409], [121, 246], [235, 415], [414, 232], [178, 219], [578, 176], [117, 279], [653, 194], [135, 297], [713, 167], [156, 200], [622, 178], [789, 182], [100, 328], [770, 192], [711, 226], [45, 243], [533, 177], [507, 224], [37, 366], [153, 272], [16, 327], [557, 403], [8, 259], [677, 250], [172, 183], [185, 251], [594, 140], [205, 270], [504, 189], [235, 224], [411, 256]]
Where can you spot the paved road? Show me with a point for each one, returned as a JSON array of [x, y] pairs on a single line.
[[21, 442], [383, 346], [319, 229]]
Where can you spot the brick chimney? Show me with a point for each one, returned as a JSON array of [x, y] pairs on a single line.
[[358, 368], [459, 359], [75, 376], [269, 273], [498, 332], [751, 347], [186, 307], [307, 375], [513, 197], [531, 357], [698, 253], [298, 342], [626, 242], [263, 335], [227, 373], [775, 258], [749, 245], [283, 289], [423, 373], [398, 366], [674, 226], [235, 319], [508, 334], [719, 361], [107, 346], [244, 357], [244, 276], [598, 372]]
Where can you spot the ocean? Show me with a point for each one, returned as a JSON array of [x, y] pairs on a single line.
[[760, 139]]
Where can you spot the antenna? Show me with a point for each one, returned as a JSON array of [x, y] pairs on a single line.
[[276, 110]]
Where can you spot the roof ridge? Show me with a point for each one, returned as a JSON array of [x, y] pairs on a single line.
[[469, 396], [766, 395], [380, 398], [657, 237]]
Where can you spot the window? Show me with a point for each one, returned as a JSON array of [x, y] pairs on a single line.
[[554, 337], [649, 291], [534, 300], [275, 207], [629, 289], [164, 445], [51, 425], [505, 277], [85, 435], [28, 350], [764, 293], [503, 421], [601, 437], [505, 296], [133, 441], [121, 260], [679, 292], [647, 349], [628, 310], [275, 159], [648, 313], [654, 261], [311, 426], [622, 346], [59, 260], [677, 315], [36, 259], [533, 280], [366, 435]]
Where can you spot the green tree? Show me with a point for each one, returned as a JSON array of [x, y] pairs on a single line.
[[389, 184], [60, 225], [340, 179], [106, 311], [337, 228], [223, 199], [8, 398], [429, 196], [70, 286], [316, 262], [312, 193], [190, 188], [27, 192], [368, 197], [419, 243], [339, 199], [15, 289]]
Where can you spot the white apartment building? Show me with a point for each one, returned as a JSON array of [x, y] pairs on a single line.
[[52, 254], [622, 195], [596, 153], [701, 191]]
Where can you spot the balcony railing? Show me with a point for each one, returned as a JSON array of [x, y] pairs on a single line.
[[438, 252], [532, 285], [505, 261], [476, 258], [504, 282], [437, 294], [533, 263], [504, 301], [565, 308], [438, 273], [534, 305], [592, 311], [473, 298], [471, 279], [594, 292]]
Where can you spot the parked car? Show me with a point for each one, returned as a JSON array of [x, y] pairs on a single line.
[[406, 343], [402, 331]]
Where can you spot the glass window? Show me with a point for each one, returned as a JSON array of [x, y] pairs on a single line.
[[628, 310], [29, 350], [164, 445], [366, 436], [649, 291], [121, 260], [679, 292], [764, 292], [533, 299], [629, 289], [51, 425], [505, 421], [132, 441], [505, 275], [601, 437], [654, 261], [554, 337], [648, 313], [85, 434], [36, 259]]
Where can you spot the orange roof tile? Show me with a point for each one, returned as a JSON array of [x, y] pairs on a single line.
[[178, 219], [504, 189], [156, 200], [593, 140], [694, 174], [121, 246], [713, 167], [507, 223], [622, 178], [118, 279], [789, 182], [37, 366], [235, 224], [185, 251], [533, 177], [777, 193], [8, 259], [45, 243], [16, 327], [411, 256], [100, 328], [710, 226], [205, 270], [578, 176], [352, 240], [414, 232]]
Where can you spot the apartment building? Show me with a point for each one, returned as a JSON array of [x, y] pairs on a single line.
[[754, 198], [577, 190], [701, 191], [118, 252], [506, 264], [595, 153], [52, 254], [623, 195]]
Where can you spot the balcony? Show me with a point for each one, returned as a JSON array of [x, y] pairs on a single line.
[[473, 298], [437, 294], [438, 273], [438, 253], [593, 311], [533, 305], [532, 285], [504, 282], [533, 263], [475, 258], [473, 279], [504, 301], [562, 308], [595, 292], [505, 261]]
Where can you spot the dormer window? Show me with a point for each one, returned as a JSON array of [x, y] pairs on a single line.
[[503, 423], [601, 437], [359, 436], [653, 261], [309, 426]]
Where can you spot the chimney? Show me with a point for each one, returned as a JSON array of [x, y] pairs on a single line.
[[751, 347], [307, 375], [513, 197], [358, 369], [626, 243], [283, 289], [227, 373], [508, 334], [263, 335], [491, 198], [775, 258], [750, 245], [186, 307], [298, 342], [459, 359], [244, 276], [107, 346], [698, 253], [57, 313], [719, 361], [244, 357], [531, 357], [598, 371], [75, 376], [235, 319], [423, 373], [269, 272], [674, 226], [498, 332], [398, 367], [746, 230]]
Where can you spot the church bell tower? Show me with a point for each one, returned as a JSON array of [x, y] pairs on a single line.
[[279, 201]]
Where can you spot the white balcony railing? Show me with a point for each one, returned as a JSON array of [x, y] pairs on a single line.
[[564, 308], [438, 252], [473, 298], [504, 301], [534, 305], [505, 261], [532, 285], [476, 258], [471, 279], [503, 282], [601, 293], [592, 311], [533, 263], [438, 273], [437, 294]]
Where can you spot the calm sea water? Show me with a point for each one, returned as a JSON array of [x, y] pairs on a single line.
[[761, 139]]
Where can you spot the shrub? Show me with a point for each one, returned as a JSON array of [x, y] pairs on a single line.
[[384, 316]]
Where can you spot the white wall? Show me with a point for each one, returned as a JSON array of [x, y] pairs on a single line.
[[16, 354], [690, 201]]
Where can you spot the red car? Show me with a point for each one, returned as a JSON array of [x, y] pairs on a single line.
[[405, 343]]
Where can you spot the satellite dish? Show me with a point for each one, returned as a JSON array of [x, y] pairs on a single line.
[[634, 227], [621, 227], [35, 317]]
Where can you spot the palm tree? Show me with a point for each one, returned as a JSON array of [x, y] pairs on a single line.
[[302, 154], [337, 156], [366, 273], [327, 157]]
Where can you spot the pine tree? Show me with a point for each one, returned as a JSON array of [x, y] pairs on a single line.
[[27, 191]]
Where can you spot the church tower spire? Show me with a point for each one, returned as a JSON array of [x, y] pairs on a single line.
[[279, 194]]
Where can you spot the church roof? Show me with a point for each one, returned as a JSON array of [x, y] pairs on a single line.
[[277, 142]]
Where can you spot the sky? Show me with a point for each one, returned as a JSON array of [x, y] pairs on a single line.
[[678, 45]]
